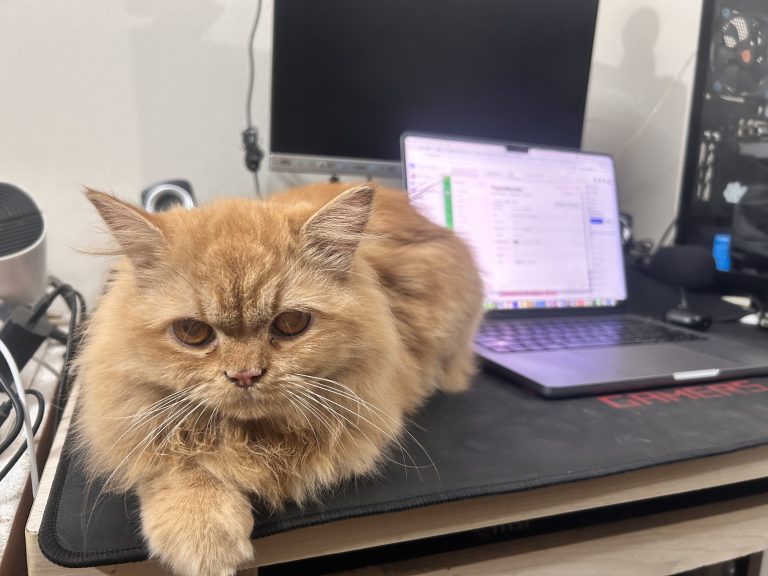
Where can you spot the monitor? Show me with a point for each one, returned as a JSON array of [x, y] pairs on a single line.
[[350, 76]]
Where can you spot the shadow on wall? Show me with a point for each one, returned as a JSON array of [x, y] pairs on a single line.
[[190, 96], [639, 117]]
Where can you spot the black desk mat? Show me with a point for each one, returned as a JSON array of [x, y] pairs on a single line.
[[494, 439]]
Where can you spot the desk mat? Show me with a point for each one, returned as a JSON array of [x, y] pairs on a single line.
[[496, 438]]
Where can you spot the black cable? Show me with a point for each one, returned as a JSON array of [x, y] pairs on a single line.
[[663, 239], [35, 427], [250, 136], [73, 343], [46, 301], [5, 411], [251, 66], [77, 313], [60, 336], [18, 409]]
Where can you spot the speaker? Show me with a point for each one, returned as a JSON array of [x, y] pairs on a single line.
[[22, 247], [168, 194]]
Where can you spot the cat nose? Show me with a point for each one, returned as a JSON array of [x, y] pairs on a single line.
[[245, 378]]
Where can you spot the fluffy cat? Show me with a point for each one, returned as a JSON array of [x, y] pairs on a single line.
[[264, 350]]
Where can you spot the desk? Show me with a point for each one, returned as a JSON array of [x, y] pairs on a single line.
[[662, 543], [657, 544]]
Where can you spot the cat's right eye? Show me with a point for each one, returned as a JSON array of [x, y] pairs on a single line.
[[193, 332]]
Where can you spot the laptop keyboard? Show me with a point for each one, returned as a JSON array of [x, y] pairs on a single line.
[[528, 335]]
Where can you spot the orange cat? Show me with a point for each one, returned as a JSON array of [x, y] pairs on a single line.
[[265, 349]]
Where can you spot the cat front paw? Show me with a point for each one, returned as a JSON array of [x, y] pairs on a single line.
[[215, 555], [197, 530]]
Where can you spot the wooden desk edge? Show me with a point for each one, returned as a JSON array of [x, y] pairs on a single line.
[[440, 519]]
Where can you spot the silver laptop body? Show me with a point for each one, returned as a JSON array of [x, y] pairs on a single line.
[[543, 226]]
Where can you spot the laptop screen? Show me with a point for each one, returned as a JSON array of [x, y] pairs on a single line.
[[542, 223]]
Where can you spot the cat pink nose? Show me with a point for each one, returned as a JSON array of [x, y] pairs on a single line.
[[245, 378]]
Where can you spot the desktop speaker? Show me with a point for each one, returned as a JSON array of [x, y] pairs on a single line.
[[22, 247], [168, 194]]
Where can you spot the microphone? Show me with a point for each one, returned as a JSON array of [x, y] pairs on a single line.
[[689, 268]]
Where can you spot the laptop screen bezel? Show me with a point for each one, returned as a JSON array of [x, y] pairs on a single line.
[[619, 308]]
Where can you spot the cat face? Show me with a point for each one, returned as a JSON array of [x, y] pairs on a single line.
[[244, 302]]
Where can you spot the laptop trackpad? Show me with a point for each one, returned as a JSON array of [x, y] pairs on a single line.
[[650, 359], [593, 365]]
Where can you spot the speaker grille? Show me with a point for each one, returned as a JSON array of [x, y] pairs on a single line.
[[21, 224]]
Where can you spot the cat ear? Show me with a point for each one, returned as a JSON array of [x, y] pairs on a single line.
[[138, 236], [333, 233]]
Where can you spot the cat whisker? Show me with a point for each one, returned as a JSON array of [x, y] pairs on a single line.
[[300, 411], [358, 402], [384, 456], [142, 446], [160, 406], [155, 433], [169, 436], [311, 396], [176, 412], [331, 413], [340, 419], [153, 406], [147, 420], [353, 395], [323, 419], [385, 418], [212, 418]]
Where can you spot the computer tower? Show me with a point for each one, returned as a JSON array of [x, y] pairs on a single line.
[[725, 181]]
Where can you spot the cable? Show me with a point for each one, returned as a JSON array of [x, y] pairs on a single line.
[[14, 431], [252, 65], [257, 185], [45, 302], [73, 297], [662, 241], [253, 154], [35, 427], [655, 110], [20, 404], [78, 311]]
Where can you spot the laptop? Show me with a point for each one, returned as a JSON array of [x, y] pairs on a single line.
[[543, 225]]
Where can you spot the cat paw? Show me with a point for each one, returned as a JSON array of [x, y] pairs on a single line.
[[220, 559], [214, 554], [197, 530]]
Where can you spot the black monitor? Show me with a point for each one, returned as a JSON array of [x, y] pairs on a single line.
[[724, 201], [350, 76]]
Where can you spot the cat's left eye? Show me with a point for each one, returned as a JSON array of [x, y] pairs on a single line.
[[290, 323], [193, 332]]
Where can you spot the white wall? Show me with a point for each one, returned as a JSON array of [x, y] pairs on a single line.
[[119, 94], [638, 102]]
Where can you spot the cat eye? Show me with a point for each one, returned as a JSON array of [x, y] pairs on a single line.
[[193, 332], [290, 323]]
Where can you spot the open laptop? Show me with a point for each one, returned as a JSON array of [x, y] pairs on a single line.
[[543, 225]]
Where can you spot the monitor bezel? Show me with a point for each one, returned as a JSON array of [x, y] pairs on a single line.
[[334, 165]]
